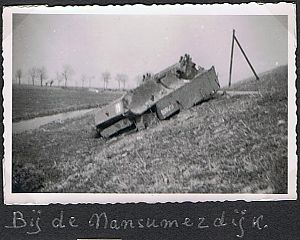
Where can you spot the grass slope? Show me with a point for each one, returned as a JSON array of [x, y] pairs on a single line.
[[226, 145], [274, 81], [34, 101]]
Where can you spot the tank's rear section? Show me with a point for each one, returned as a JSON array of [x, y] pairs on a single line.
[[160, 96], [196, 90]]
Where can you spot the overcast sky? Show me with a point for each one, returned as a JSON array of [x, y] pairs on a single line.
[[136, 44]]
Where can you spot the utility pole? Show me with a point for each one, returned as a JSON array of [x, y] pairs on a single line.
[[231, 57], [234, 38]]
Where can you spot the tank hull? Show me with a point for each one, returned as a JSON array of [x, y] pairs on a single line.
[[160, 97]]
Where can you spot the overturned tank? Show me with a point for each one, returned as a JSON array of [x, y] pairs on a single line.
[[160, 96]]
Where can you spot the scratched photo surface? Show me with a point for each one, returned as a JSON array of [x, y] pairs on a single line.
[[141, 104]]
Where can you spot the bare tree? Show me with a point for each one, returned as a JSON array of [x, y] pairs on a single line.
[[90, 79], [33, 73], [58, 78], [19, 75], [124, 80], [28, 79], [42, 74], [83, 79], [106, 76], [121, 78], [67, 73]]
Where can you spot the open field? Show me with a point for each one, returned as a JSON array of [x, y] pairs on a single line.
[[226, 145], [35, 101]]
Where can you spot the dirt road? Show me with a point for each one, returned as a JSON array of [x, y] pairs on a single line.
[[237, 93], [35, 123]]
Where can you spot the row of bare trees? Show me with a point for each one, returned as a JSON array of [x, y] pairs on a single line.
[[40, 74], [121, 78], [85, 78], [34, 73], [37, 73]]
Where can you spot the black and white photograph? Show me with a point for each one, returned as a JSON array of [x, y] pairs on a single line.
[[149, 104]]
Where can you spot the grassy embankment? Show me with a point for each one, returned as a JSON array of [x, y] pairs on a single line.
[[226, 145]]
